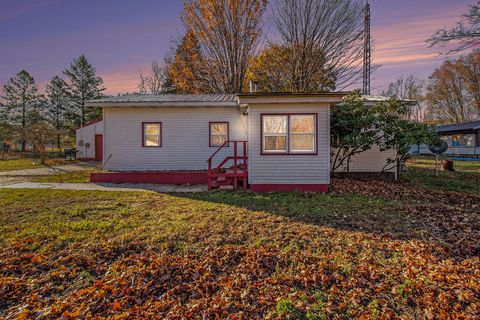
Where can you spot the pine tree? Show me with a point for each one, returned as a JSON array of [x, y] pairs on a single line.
[[57, 95], [83, 85], [23, 105]]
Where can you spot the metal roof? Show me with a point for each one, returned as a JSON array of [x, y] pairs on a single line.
[[216, 100], [465, 126], [193, 100]]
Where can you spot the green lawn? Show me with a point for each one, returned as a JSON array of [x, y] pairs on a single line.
[[75, 176], [357, 252], [465, 178], [19, 164], [26, 163]]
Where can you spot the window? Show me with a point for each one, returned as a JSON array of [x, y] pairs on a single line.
[[289, 134], [275, 134], [152, 134], [218, 133], [461, 140], [302, 133]]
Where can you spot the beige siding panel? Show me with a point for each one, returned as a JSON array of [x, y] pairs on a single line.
[[87, 134], [185, 137], [289, 169], [372, 160]]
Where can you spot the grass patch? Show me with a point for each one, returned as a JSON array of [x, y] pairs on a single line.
[[19, 164], [465, 178], [77, 254], [26, 163], [75, 176]]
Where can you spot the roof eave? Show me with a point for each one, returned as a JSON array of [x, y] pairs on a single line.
[[144, 104], [291, 98]]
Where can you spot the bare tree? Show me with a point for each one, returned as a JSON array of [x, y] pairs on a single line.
[[409, 88], [41, 135], [470, 72], [466, 33], [325, 37], [153, 81], [228, 32]]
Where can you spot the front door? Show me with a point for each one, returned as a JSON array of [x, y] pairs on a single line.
[[98, 147]]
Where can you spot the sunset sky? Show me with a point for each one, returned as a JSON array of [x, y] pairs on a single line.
[[122, 37]]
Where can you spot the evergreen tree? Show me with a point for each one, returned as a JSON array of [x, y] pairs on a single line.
[[57, 95], [22, 103], [83, 85]]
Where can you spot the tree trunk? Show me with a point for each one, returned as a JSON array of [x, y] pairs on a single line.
[[24, 111]]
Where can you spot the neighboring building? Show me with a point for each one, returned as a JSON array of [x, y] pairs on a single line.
[[89, 139], [463, 139], [269, 142]]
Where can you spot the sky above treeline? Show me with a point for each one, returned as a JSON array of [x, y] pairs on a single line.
[[122, 37]]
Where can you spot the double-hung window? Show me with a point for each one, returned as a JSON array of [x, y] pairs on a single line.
[[218, 133], [275, 133], [152, 134], [289, 134]]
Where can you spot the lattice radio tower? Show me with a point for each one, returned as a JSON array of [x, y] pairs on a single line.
[[366, 51]]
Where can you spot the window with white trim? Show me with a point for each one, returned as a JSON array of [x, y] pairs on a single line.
[[218, 133], [289, 134], [152, 134]]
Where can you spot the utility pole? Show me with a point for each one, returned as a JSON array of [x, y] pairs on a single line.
[[366, 50]]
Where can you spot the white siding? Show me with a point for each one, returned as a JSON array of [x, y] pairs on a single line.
[[185, 137], [87, 134], [452, 151], [372, 160], [289, 169]]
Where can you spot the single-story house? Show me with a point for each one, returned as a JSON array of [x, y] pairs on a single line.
[[463, 139], [267, 142], [89, 138]]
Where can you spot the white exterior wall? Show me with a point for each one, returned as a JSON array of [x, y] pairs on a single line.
[[372, 160], [289, 169], [87, 134], [185, 137], [452, 151]]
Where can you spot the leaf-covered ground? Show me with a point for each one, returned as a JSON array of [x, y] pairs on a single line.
[[368, 250]]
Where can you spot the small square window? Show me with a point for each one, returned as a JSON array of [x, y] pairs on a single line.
[[218, 133], [152, 134]]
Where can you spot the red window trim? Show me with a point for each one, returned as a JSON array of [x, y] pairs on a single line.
[[288, 152], [143, 135], [210, 132]]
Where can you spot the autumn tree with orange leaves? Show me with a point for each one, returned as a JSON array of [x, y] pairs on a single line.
[[454, 90], [185, 66], [228, 33], [275, 70]]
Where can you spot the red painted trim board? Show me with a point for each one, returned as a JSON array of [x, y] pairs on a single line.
[[159, 177]]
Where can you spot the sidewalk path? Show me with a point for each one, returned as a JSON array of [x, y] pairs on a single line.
[[105, 187], [46, 171]]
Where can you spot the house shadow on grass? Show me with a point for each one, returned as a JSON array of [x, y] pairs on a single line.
[[347, 211], [352, 213]]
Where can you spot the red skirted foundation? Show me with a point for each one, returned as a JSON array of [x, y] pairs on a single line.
[[158, 177]]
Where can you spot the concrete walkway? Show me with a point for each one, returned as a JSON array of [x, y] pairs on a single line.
[[46, 171], [105, 187]]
